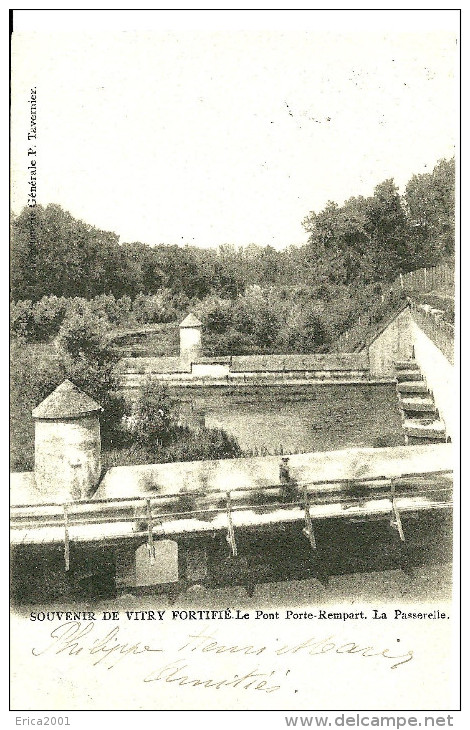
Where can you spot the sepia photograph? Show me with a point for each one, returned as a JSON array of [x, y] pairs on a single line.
[[234, 387]]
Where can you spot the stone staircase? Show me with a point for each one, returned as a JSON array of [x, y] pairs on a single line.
[[420, 417]]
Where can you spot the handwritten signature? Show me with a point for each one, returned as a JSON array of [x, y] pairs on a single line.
[[178, 673], [75, 638], [312, 647]]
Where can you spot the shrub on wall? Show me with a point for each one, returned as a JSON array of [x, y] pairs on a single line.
[[153, 421], [156, 436]]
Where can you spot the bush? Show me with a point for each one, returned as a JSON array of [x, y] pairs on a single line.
[[154, 431], [78, 305], [244, 317], [219, 317], [155, 308], [48, 315], [186, 445], [22, 319], [83, 335], [105, 307], [38, 322], [203, 444]]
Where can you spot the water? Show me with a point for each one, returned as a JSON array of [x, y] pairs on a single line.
[[301, 418]]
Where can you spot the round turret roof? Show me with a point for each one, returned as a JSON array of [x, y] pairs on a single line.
[[191, 321], [66, 401]]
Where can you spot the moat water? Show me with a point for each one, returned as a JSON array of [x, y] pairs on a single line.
[[292, 419]]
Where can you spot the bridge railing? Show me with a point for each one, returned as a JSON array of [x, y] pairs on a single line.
[[184, 505], [426, 279], [142, 519], [440, 332]]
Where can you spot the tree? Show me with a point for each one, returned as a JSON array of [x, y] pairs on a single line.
[[363, 240], [430, 207], [386, 226], [54, 253], [90, 365], [311, 334], [35, 371], [323, 227]]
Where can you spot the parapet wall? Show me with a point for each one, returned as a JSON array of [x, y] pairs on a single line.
[[441, 333], [222, 475], [245, 369], [438, 372]]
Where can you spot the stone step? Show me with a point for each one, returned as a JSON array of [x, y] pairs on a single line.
[[421, 441], [412, 386], [406, 375], [406, 365], [424, 428], [418, 405]]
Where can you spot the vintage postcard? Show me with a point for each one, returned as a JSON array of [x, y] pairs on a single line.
[[234, 387]]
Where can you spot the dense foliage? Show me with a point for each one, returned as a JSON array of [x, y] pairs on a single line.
[[364, 240], [75, 287], [79, 353], [281, 319]]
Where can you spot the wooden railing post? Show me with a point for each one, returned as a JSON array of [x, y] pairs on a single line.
[[66, 538], [396, 519], [150, 543], [231, 533], [308, 529]]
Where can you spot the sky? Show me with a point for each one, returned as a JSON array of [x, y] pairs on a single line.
[[192, 133]]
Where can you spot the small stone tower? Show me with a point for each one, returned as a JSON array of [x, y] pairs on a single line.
[[190, 339], [67, 458]]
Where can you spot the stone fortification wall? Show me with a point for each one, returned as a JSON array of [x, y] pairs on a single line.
[[394, 343], [419, 333], [242, 369]]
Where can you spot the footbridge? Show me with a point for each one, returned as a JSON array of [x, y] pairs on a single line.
[[192, 522]]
